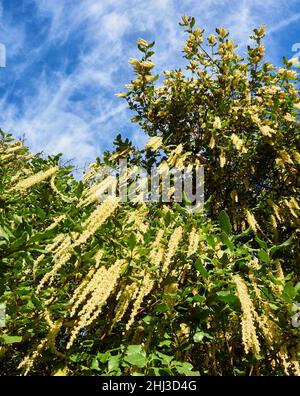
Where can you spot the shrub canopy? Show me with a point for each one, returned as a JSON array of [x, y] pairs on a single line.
[[132, 288]]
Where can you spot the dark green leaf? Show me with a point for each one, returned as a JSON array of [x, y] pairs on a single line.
[[225, 222]]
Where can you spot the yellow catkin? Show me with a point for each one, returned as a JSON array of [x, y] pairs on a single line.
[[138, 219], [265, 321], [16, 177], [16, 143], [278, 286], [234, 196], [184, 332], [222, 159], [49, 341], [252, 222], [91, 172], [61, 256], [97, 218], [124, 299], [63, 372], [63, 252], [157, 256], [94, 192], [280, 274], [36, 263], [163, 168], [157, 250], [266, 130], [80, 288], [274, 222], [295, 367], [193, 242], [254, 263], [217, 124], [145, 289], [296, 157], [147, 64], [15, 148], [6, 157], [212, 142], [249, 336], [238, 143], [84, 289], [293, 206], [142, 42], [56, 190], [98, 257], [174, 155], [28, 362], [54, 330], [284, 157], [276, 209], [284, 360], [56, 221], [52, 247], [91, 310], [294, 203], [34, 179], [192, 248], [57, 241], [172, 247], [140, 191], [290, 366], [28, 157], [267, 328], [154, 143]]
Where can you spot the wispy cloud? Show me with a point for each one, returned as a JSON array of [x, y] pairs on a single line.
[[66, 60]]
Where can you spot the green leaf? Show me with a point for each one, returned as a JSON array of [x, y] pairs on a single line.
[[200, 335], [161, 308], [165, 359], [134, 349], [242, 235], [131, 242], [287, 243], [185, 368], [3, 234], [79, 189], [103, 357], [227, 297], [136, 359], [263, 256], [147, 319], [297, 287], [226, 241], [211, 241], [95, 365], [200, 268], [41, 213], [289, 290], [225, 222], [192, 23], [261, 243], [165, 343], [10, 339], [114, 363], [199, 298]]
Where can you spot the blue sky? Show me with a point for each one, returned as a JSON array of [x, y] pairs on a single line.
[[67, 58]]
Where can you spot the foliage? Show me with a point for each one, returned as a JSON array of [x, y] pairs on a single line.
[[240, 116], [128, 288]]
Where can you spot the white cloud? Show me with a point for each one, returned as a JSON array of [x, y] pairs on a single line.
[[76, 112], [115, 25]]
